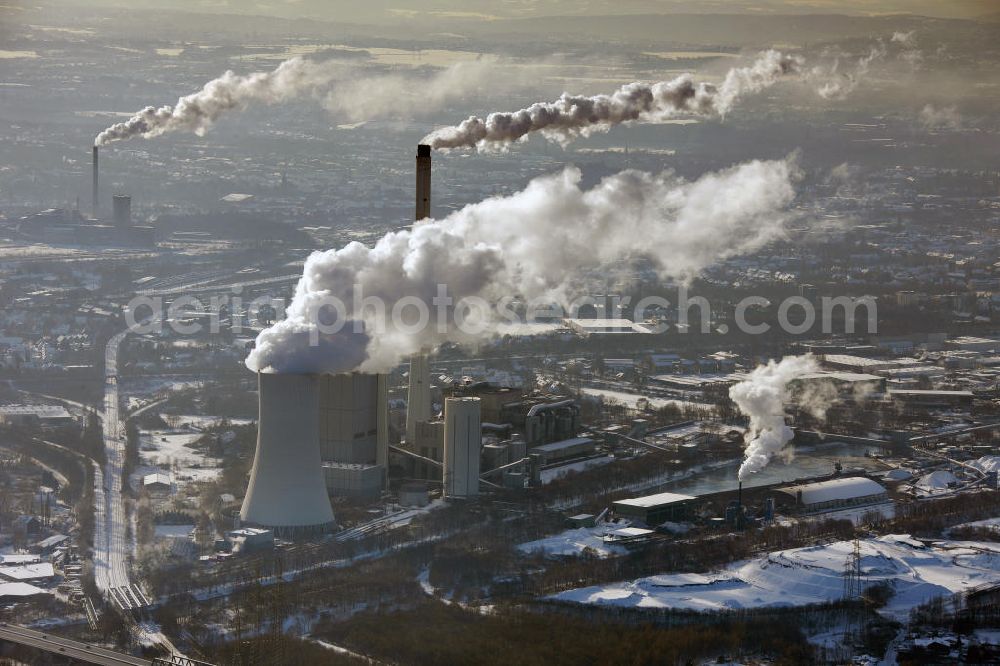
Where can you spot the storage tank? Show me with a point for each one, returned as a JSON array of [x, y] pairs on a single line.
[[462, 442], [287, 492]]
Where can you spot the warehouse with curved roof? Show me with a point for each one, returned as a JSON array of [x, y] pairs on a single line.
[[836, 494]]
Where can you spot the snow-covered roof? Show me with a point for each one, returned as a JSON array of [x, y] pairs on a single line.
[[19, 590], [834, 490], [28, 571], [630, 532], [156, 477], [654, 500]]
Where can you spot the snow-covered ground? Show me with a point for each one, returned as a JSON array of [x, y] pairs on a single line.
[[553, 473], [802, 576], [857, 515], [632, 399], [989, 523], [201, 422], [169, 450], [574, 541]]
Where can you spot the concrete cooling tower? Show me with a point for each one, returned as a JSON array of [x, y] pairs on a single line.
[[287, 492]]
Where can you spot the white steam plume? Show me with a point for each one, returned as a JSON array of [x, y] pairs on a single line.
[[572, 116], [762, 397], [834, 83], [945, 117], [526, 245], [349, 88], [196, 112], [904, 38], [379, 95]]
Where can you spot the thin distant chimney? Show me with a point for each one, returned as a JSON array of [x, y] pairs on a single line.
[[423, 182], [97, 191]]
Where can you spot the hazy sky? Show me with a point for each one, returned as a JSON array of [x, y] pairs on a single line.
[[378, 10]]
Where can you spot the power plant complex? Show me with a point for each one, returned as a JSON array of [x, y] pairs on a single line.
[[327, 435]]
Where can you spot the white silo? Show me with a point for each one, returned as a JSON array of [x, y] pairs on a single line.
[[287, 492], [462, 441]]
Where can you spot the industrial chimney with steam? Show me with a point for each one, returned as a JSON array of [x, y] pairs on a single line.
[[97, 192], [418, 400]]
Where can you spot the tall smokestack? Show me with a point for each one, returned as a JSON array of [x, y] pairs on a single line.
[[418, 401], [97, 192], [423, 182]]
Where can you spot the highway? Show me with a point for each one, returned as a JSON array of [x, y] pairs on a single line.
[[111, 546], [72, 649]]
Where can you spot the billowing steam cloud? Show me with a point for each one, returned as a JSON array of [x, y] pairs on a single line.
[[572, 116], [762, 397], [349, 89], [527, 245]]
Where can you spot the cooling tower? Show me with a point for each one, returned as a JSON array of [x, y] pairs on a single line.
[[418, 400], [463, 439], [287, 491]]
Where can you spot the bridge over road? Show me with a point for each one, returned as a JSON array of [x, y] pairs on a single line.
[[75, 651]]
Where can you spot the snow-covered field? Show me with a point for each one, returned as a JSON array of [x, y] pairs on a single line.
[[802, 576]]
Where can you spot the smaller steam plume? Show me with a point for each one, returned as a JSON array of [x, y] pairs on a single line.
[[573, 116], [196, 112], [836, 83], [937, 118], [904, 38], [762, 397]]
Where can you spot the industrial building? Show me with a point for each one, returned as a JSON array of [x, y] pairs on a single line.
[[835, 494], [47, 416], [846, 383], [933, 399], [462, 444], [567, 449], [121, 206], [589, 327], [250, 539], [353, 432], [655, 509]]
